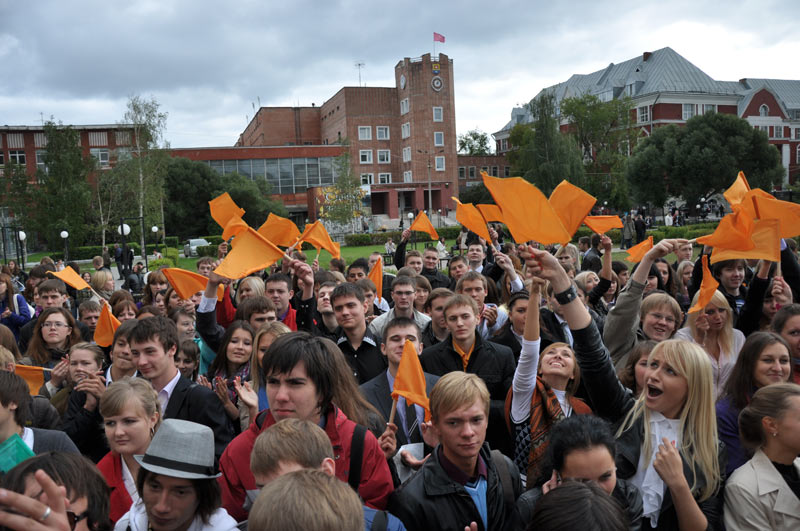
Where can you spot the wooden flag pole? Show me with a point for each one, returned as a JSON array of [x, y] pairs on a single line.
[[393, 411]]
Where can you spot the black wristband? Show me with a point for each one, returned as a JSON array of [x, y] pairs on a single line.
[[566, 296]]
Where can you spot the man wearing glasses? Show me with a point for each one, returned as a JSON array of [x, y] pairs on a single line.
[[403, 291]]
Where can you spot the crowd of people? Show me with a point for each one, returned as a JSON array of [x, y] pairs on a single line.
[[566, 390]]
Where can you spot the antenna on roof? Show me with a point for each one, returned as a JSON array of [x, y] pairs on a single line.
[[246, 119], [259, 101], [253, 104], [359, 65]]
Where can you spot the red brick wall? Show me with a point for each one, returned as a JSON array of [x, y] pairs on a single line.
[[279, 126], [667, 111], [760, 98]]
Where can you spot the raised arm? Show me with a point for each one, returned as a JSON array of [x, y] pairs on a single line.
[[524, 381]]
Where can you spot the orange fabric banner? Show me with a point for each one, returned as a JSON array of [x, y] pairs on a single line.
[[107, 324], [637, 252], [33, 376], [788, 214], [734, 231], [471, 218], [250, 252], [490, 212], [223, 209], [280, 231], [187, 283], [423, 224], [736, 192], [234, 226], [748, 204], [376, 276], [317, 235], [767, 239], [410, 380], [571, 204], [526, 211], [707, 288], [70, 277], [603, 224]]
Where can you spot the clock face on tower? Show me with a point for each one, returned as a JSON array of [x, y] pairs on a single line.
[[402, 81], [437, 83]]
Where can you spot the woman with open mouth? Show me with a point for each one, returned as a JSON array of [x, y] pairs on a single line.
[[670, 428]]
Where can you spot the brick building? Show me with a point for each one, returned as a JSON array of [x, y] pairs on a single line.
[[668, 89], [470, 168]]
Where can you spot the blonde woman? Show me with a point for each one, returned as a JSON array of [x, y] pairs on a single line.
[[131, 415], [249, 287], [670, 428], [712, 329], [102, 284]]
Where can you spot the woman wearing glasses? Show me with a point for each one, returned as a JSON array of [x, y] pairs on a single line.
[[55, 332]]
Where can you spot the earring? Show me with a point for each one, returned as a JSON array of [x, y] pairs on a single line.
[[774, 433], [152, 432]]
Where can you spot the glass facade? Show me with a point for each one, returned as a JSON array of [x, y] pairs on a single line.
[[285, 176]]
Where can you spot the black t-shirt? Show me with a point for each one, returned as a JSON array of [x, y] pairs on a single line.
[[790, 476]]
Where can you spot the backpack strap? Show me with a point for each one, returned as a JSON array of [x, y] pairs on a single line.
[[501, 465], [356, 456], [380, 522]]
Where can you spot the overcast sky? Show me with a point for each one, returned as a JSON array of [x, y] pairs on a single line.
[[207, 62]]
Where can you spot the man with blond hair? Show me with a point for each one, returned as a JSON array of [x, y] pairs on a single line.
[[463, 483]]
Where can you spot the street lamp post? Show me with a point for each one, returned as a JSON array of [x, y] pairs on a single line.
[[154, 230], [413, 236], [123, 230], [21, 237], [65, 236]]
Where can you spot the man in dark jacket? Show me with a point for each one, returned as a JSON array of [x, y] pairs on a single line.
[[463, 482], [641, 229], [465, 351], [430, 269]]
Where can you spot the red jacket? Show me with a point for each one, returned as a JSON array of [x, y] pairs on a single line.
[[239, 487], [225, 309], [111, 468], [290, 319]]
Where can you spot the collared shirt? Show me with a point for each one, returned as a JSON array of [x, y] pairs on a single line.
[[27, 437], [110, 380], [458, 475], [401, 408], [129, 481], [464, 355], [367, 361], [565, 327], [165, 394]]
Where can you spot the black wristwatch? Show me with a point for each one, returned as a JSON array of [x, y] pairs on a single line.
[[566, 296]]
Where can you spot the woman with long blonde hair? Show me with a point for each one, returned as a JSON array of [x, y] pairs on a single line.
[[712, 329], [670, 428]]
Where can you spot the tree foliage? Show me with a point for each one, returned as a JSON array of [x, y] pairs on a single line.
[[476, 195], [701, 158], [343, 200], [542, 154], [474, 143]]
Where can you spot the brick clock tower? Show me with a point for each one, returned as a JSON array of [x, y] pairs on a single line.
[[428, 130]]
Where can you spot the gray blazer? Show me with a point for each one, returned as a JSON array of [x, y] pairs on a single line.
[[52, 441]]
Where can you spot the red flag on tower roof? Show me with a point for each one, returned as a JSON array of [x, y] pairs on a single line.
[[438, 37]]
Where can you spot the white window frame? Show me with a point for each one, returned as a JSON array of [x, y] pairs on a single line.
[[797, 133], [763, 110], [438, 138], [407, 154], [407, 176], [688, 111], [504, 144], [382, 132], [764, 128], [365, 156], [102, 156], [367, 178], [384, 156], [777, 131], [709, 107], [40, 165], [405, 130], [384, 178], [440, 111], [364, 132], [404, 106], [14, 155], [643, 114], [439, 163]]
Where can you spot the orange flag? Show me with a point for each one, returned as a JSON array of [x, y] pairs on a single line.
[[223, 209], [376, 276], [767, 239], [317, 235], [707, 288], [423, 224], [603, 224], [490, 212], [734, 232], [187, 283], [33, 376], [471, 218], [637, 252], [526, 211], [69, 276], [250, 252], [788, 214], [280, 231], [735, 194], [410, 380], [749, 205], [571, 204], [107, 324], [234, 226]]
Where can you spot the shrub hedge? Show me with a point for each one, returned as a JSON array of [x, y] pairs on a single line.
[[161, 262]]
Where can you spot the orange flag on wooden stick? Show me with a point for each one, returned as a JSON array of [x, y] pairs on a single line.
[[317, 235], [107, 324], [280, 231], [410, 380], [767, 239], [707, 288], [69, 276], [734, 231], [250, 252], [637, 252], [187, 283], [571, 204], [423, 224], [735, 194], [526, 211], [490, 212], [376, 276], [234, 226], [223, 209], [788, 214], [748, 204], [471, 218], [603, 224], [33, 376]]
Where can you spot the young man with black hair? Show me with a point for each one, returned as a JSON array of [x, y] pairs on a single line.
[[403, 293], [357, 270], [430, 269]]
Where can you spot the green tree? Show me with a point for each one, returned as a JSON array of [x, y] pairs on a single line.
[[16, 192], [476, 195], [343, 202], [474, 143], [701, 158], [542, 154], [114, 195]]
